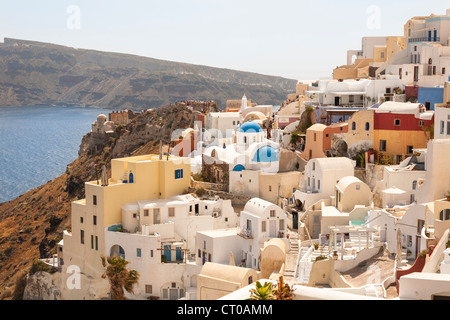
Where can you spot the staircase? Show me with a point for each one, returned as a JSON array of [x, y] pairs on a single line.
[[292, 256]]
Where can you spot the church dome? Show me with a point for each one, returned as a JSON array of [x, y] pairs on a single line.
[[266, 154], [250, 127]]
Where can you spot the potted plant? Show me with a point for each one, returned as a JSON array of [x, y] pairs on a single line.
[[447, 195], [283, 291], [335, 255], [262, 291]]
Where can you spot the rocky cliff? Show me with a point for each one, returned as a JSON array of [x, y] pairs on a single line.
[[32, 225], [40, 73]]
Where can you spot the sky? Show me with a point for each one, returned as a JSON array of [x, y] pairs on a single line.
[[295, 39]]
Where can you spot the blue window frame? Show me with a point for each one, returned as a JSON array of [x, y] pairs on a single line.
[[138, 252], [179, 174]]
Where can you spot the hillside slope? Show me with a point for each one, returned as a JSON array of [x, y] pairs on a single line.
[[41, 73], [32, 225]]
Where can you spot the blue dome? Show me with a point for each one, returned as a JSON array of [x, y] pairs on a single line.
[[239, 167], [250, 127], [266, 154]]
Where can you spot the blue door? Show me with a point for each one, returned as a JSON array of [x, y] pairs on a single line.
[[168, 253]]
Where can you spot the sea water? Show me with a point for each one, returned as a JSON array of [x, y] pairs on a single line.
[[38, 142]]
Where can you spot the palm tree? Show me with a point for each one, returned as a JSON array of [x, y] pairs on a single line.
[[119, 276]]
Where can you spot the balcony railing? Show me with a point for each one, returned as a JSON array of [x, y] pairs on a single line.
[[425, 39], [246, 233]]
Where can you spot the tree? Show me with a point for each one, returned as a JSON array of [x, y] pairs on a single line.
[[120, 278]]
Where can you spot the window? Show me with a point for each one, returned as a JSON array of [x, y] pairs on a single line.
[[171, 212], [442, 127], [427, 105], [314, 166], [81, 219], [199, 253], [353, 126], [315, 136], [82, 236], [409, 149], [146, 212], [397, 122], [250, 280], [151, 253], [92, 242], [448, 127], [138, 252], [443, 71], [178, 174], [421, 123], [367, 126], [94, 200], [318, 184], [263, 226], [409, 241], [383, 145], [414, 185], [382, 55], [358, 187], [272, 213], [148, 288], [270, 188], [444, 215], [94, 220], [96, 243]]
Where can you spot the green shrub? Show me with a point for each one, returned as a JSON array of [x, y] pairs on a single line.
[[200, 192]]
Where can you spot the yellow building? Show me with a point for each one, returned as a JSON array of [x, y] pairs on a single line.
[[132, 179]]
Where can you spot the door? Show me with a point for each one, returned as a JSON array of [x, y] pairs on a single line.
[[168, 252], [196, 209], [178, 254], [416, 73], [273, 228], [337, 101], [295, 220]]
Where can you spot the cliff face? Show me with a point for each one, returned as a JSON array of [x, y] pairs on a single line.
[[32, 225], [39, 73]]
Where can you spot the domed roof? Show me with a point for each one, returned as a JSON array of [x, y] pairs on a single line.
[[266, 154], [250, 127], [102, 117]]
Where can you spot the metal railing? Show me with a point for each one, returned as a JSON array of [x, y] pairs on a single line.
[[425, 39]]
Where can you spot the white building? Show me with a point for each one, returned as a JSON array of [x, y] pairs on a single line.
[[320, 178], [260, 221]]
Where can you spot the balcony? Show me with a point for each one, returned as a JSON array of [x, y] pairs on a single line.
[[246, 233], [424, 39]]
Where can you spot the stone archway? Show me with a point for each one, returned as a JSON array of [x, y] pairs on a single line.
[[341, 148]]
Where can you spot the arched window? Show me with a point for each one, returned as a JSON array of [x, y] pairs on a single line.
[[367, 126], [414, 185], [430, 61]]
